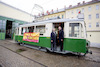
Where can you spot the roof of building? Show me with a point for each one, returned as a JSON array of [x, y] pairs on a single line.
[[14, 8], [83, 4], [70, 7]]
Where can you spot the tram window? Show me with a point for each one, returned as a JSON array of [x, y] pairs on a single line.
[[40, 29], [31, 29], [23, 30], [18, 31], [75, 30]]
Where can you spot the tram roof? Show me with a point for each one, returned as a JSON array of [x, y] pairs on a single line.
[[51, 21]]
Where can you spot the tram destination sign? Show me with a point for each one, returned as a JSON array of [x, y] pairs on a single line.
[[31, 37]]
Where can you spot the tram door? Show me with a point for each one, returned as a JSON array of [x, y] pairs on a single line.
[[56, 25]]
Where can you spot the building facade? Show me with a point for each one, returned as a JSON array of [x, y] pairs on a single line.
[[10, 17], [91, 12], [51, 15]]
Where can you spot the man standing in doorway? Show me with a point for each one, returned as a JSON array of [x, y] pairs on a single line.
[[61, 37], [53, 40]]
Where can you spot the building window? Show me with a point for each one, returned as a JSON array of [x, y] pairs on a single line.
[[68, 12], [97, 24], [77, 10], [72, 12], [97, 7], [89, 25], [89, 16], [82, 10], [0, 25], [89, 8], [62, 16], [58, 17], [97, 15]]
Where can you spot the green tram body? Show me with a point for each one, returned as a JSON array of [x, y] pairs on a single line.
[[72, 44]]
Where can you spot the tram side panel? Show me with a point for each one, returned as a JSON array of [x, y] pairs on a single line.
[[73, 44], [44, 41]]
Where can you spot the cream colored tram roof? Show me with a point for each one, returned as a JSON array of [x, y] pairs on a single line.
[[51, 21]]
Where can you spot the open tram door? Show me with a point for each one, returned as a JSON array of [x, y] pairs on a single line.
[[75, 39], [56, 25]]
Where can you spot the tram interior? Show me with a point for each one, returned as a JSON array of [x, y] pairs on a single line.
[[29, 29], [56, 25], [9, 29]]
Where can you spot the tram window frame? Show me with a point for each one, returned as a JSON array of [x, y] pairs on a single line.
[[80, 32], [41, 34]]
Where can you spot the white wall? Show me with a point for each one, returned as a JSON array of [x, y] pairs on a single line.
[[10, 12]]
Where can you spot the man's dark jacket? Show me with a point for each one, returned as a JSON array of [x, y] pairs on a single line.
[[53, 37], [61, 35]]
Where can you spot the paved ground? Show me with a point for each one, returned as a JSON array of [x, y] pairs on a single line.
[[9, 57]]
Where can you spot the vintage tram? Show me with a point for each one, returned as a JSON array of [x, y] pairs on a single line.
[[75, 40]]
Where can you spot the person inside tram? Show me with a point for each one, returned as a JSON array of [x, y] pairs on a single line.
[[53, 40], [61, 37]]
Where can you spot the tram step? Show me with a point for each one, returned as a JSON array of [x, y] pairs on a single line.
[[34, 47], [58, 51]]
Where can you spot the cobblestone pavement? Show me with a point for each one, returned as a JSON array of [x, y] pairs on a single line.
[[35, 58]]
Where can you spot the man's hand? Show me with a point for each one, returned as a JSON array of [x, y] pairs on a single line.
[[51, 40], [61, 39]]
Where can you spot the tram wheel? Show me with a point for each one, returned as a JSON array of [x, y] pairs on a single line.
[[47, 50], [78, 54]]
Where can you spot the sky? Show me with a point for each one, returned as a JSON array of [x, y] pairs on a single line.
[[28, 5]]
